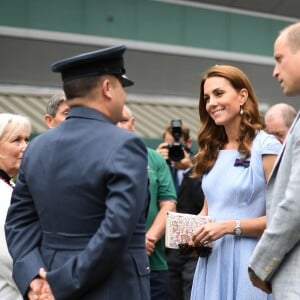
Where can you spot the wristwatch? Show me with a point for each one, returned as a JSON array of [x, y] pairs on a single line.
[[237, 228]]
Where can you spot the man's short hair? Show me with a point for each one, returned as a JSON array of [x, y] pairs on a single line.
[[293, 36], [287, 112], [288, 115], [53, 104], [81, 87]]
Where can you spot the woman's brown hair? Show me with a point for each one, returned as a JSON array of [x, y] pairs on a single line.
[[212, 137]]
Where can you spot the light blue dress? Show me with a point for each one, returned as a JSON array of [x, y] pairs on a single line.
[[233, 192]]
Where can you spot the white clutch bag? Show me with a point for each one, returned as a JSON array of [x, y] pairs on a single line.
[[180, 228]]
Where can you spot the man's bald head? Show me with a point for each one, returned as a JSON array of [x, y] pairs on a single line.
[[279, 119]]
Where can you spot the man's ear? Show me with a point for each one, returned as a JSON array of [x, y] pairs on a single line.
[[107, 88], [48, 120], [133, 124]]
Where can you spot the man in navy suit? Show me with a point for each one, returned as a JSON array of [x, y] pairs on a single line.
[[76, 225]]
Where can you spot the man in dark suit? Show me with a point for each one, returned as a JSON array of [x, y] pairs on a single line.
[[78, 210]]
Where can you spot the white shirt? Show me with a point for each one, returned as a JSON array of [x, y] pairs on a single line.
[[8, 288]]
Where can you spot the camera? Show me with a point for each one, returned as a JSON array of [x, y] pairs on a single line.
[[176, 149]]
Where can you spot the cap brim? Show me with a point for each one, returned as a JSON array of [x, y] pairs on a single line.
[[125, 81]]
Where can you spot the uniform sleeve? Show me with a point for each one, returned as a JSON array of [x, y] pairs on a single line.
[[23, 235]]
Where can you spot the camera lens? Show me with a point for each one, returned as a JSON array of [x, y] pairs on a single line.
[[176, 129], [175, 152]]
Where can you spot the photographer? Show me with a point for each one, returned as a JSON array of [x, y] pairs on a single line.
[[176, 149], [175, 135]]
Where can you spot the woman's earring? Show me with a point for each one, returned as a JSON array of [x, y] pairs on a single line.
[[241, 111]]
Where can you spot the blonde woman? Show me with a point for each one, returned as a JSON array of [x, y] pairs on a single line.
[[14, 134]]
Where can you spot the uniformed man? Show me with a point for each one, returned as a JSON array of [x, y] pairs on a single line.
[[78, 209]]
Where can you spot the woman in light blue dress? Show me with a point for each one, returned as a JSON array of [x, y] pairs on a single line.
[[236, 157]]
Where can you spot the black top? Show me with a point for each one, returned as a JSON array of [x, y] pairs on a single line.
[[190, 197], [4, 176]]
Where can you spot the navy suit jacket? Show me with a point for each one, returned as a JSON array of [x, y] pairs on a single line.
[[78, 210]]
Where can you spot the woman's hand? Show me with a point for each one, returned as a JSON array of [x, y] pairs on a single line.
[[210, 232]]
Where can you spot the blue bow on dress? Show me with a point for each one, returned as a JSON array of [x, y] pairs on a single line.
[[242, 163]]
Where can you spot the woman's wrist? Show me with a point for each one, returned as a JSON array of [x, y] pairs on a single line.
[[230, 225]]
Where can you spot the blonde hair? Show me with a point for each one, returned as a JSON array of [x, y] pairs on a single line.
[[13, 124]]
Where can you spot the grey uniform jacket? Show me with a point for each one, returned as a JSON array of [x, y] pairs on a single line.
[[276, 257], [78, 210]]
